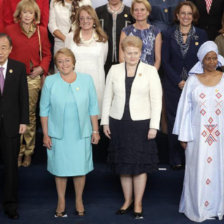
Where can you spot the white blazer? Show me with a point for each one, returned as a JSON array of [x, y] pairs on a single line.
[[145, 99]]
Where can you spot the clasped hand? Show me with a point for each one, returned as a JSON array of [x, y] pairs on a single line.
[[36, 71]]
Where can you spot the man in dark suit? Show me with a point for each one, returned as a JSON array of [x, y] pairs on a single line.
[[210, 16], [14, 115]]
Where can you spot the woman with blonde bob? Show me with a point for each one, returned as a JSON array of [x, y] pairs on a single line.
[[68, 110], [30, 46], [89, 44], [149, 34], [130, 118]]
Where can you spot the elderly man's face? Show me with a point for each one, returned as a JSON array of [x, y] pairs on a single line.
[[210, 61], [5, 50]]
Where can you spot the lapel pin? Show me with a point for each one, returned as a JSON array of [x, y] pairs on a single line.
[[125, 15], [10, 71], [196, 43], [140, 74]]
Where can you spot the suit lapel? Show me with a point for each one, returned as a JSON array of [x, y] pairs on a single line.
[[138, 75], [123, 76], [202, 5], [9, 76], [212, 6]]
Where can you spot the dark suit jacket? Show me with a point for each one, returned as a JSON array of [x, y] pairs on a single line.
[[14, 103], [210, 22], [173, 63], [172, 58], [123, 19]]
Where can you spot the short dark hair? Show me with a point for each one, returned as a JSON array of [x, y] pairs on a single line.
[[193, 8], [8, 37]]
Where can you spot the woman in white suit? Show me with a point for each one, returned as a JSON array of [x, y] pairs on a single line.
[[131, 115]]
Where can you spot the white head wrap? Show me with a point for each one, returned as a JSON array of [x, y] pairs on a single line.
[[204, 49]]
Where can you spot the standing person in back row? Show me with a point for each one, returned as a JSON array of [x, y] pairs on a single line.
[[149, 34], [10, 8], [14, 115], [180, 45], [62, 18], [210, 16], [30, 46], [113, 16]]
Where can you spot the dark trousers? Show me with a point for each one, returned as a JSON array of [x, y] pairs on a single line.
[[9, 149], [176, 152]]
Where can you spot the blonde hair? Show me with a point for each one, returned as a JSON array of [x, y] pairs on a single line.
[[131, 41], [29, 5], [101, 34], [144, 2], [67, 52]]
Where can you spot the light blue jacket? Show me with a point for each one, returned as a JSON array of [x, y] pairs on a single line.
[[53, 100]]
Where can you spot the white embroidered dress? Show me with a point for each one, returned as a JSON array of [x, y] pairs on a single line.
[[200, 123]]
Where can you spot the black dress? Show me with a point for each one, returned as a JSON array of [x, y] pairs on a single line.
[[130, 152]]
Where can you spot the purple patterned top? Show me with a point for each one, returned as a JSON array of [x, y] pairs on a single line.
[[148, 37]]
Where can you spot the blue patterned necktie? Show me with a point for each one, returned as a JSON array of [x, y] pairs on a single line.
[[2, 80]]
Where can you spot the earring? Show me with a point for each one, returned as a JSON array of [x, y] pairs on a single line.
[[94, 25]]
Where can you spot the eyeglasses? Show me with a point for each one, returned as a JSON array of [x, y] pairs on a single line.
[[88, 19], [186, 14]]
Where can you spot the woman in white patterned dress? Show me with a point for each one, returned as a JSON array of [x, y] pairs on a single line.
[[199, 125]]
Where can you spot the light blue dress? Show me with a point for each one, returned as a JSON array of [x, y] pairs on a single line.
[[68, 107], [71, 155]]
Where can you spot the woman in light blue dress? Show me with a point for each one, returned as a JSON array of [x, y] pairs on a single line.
[[69, 118]]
